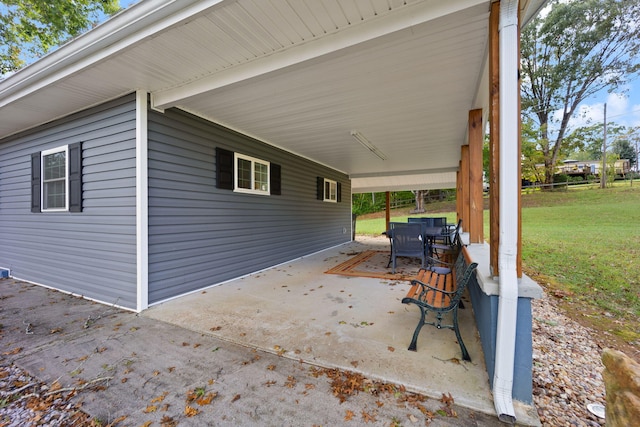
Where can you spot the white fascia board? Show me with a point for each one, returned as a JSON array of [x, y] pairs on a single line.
[[351, 36], [404, 182], [123, 30]]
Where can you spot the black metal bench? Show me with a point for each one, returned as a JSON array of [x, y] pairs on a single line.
[[439, 289]]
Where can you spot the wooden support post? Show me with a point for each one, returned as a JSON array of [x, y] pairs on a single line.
[[464, 194], [387, 209], [494, 148], [458, 193], [476, 202], [494, 138]]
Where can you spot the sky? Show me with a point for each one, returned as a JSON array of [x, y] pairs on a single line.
[[622, 109]]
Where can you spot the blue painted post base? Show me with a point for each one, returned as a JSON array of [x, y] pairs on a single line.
[[485, 308]]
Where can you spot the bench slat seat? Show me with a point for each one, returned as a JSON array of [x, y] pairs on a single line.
[[439, 290]]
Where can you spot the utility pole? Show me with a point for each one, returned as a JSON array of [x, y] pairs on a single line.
[[603, 170]]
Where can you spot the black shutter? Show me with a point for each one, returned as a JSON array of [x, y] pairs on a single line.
[[339, 191], [275, 177], [320, 188], [35, 182], [75, 177], [224, 169]]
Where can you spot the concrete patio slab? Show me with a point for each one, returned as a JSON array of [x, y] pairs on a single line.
[[352, 323]]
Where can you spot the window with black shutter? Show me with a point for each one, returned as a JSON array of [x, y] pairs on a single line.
[[246, 174], [56, 179]]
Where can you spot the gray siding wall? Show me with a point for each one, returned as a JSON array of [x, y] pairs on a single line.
[[91, 253], [200, 235]]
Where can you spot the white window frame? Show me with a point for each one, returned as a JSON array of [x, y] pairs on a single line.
[[332, 194], [252, 190], [43, 154]]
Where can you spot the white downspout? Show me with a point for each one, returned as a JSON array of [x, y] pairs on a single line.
[[507, 251]]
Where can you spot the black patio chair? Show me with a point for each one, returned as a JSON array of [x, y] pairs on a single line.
[[407, 241], [450, 247]]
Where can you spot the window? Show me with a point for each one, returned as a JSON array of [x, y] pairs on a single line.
[[330, 191], [56, 179], [246, 174], [251, 175]]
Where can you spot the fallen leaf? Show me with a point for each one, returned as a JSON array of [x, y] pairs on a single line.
[[349, 415], [185, 344], [167, 421], [447, 399], [291, 382], [309, 386], [391, 349], [159, 398], [207, 399], [215, 328], [147, 424], [368, 417], [190, 411], [236, 397], [55, 331], [354, 363], [271, 367], [124, 380], [14, 351], [171, 369], [149, 409]]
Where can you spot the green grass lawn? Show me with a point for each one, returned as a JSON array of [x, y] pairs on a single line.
[[584, 241]]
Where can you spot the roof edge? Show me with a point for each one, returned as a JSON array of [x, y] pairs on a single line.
[[118, 32]]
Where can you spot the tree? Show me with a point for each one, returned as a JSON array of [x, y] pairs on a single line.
[[31, 28], [589, 140], [623, 148], [578, 49], [531, 153]]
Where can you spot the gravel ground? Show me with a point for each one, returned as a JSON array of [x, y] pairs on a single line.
[[567, 369], [566, 378]]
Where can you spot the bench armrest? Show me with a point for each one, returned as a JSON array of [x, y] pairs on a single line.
[[426, 288]]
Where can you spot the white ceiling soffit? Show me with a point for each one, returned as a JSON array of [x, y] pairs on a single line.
[[403, 75], [297, 74]]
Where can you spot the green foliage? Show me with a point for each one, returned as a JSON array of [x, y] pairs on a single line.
[[623, 149], [589, 140], [31, 28], [531, 154], [364, 203], [578, 49]]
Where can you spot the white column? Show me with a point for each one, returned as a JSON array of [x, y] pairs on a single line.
[[142, 203]]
